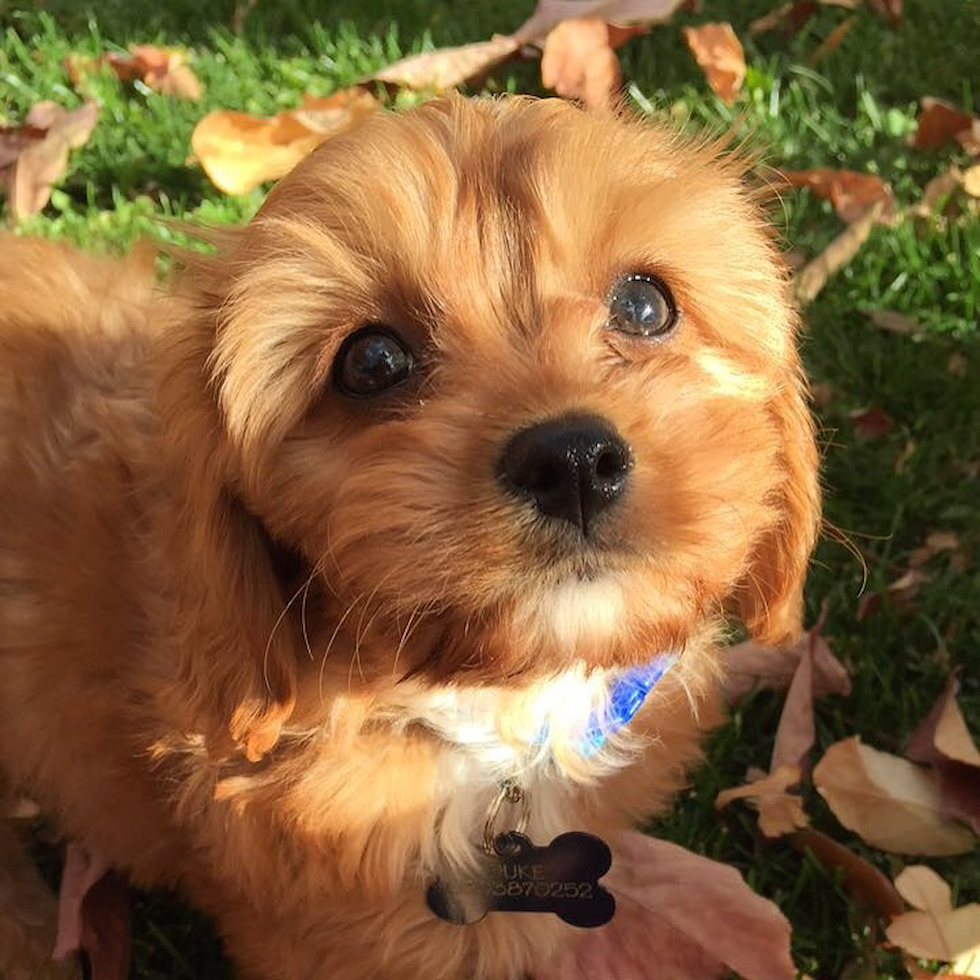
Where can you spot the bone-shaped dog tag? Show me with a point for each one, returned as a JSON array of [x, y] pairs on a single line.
[[562, 878]]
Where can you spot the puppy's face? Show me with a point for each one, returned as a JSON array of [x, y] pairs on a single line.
[[520, 385]]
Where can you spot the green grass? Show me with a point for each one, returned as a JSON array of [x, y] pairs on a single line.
[[855, 110]]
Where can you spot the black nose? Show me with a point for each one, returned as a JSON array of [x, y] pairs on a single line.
[[572, 468]]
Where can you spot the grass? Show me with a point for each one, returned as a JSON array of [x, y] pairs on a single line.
[[854, 109]]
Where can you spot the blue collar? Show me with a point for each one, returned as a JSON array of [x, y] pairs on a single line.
[[627, 692]]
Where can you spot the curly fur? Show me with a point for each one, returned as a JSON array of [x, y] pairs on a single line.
[[274, 648]]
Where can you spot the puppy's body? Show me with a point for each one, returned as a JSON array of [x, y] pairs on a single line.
[[277, 646]]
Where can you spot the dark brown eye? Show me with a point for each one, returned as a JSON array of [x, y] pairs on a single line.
[[371, 361], [641, 305]]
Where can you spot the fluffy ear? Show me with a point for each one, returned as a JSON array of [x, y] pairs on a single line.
[[770, 597], [235, 677]]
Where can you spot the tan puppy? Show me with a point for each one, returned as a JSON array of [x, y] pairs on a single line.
[[491, 402]]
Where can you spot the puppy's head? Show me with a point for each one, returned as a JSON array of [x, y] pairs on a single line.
[[520, 386]]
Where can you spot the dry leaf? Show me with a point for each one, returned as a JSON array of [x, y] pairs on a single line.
[[808, 283], [871, 423], [33, 156], [718, 52], [790, 17], [690, 916], [938, 192], [28, 918], [944, 740], [164, 70], [889, 9], [832, 42], [851, 193], [578, 60], [445, 68], [238, 151], [780, 812], [936, 543], [748, 666], [889, 802], [796, 731], [863, 881], [895, 322], [940, 122], [549, 13], [936, 931], [971, 180]]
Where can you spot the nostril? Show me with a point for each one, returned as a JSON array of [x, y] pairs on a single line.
[[572, 468], [611, 464]]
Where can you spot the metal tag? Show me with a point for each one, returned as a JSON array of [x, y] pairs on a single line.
[[562, 878]]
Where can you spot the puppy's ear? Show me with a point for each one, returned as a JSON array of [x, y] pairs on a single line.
[[770, 597], [235, 678]]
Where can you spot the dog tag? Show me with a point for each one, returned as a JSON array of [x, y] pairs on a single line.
[[562, 878]]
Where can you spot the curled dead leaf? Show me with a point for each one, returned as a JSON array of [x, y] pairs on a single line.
[[780, 811], [871, 422], [895, 322], [691, 916], [936, 930], [863, 881], [941, 122], [164, 70], [549, 13], [809, 282], [888, 801], [719, 54], [34, 156], [578, 61], [749, 665], [790, 17], [850, 193], [238, 151], [445, 68], [832, 41]]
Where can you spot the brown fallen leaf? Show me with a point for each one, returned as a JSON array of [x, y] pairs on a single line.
[[935, 931], [749, 665], [938, 193], [971, 180], [937, 543], [944, 740], [719, 54], [895, 322], [780, 811], [790, 17], [889, 802], [871, 422], [941, 122], [28, 917], [889, 9], [238, 151], [579, 61], [863, 881], [34, 156], [164, 70], [850, 193], [688, 915], [445, 68], [832, 41], [549, 13], [809, 282]]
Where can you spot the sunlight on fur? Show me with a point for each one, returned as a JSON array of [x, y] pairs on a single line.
[[492, 404]]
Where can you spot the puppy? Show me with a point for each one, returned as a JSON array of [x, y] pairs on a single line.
[[313, 568]]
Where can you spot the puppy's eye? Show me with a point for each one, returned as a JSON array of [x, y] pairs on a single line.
[[641, 305], [370, 361]]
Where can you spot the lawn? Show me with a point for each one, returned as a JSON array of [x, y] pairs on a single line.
[[885, 491]]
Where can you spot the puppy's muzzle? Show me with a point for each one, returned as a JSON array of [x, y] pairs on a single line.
[[571, 468]]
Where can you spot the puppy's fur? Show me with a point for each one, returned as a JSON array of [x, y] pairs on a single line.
[[275, 646]]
